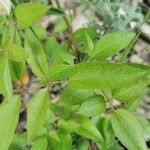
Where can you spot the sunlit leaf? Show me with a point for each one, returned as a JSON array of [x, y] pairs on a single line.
[[128, 130], [9, 115], [29, 13]]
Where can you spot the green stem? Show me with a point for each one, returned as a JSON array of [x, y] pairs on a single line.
[[109, 97], [128, 49], [76, 50]]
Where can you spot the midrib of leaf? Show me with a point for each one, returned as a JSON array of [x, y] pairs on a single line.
[[112, 75], [43, 104], [37, 51], [33, 56]]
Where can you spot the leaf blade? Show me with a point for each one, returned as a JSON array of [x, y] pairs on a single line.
[[29, 13], [112, 43], [92, 106], [128, 130], [88, 129], [72, 96], [17, 53], [8, 125], [37, 57], [104, 75], [5, 77], [36, 113]]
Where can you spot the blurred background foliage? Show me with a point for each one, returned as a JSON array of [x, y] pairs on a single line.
[[115, 14], [106, 15]]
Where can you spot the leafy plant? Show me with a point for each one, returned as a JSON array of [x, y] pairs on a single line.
[[113, 15], [88, 83]]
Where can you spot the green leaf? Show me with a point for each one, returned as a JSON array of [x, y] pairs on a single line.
[[132, 95], [145, 126], [88, 129], [129, 48], [37, 58], [17, 70], [133, 104], [63, 111], [82, 144], [82, 126], [103, 124], [71, 96], [50, 118], [104, 75], [141, 66], [128, 130], [5, 77], [9, 115], [80, 34], [57, 72], [68, 126], [130, 92], [36, 113], [53, 136], [55, 11], [40, 31], [39, 144], [19, 141], [66, 141], [17, 53], [58, 53], [92, 106], [60, 140], [112, 43], [9, 35], [17, 38], [29, 13], [60, 25], [5, 36], [84, 38], [90, 45]]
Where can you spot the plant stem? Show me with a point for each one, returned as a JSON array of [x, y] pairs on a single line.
[[109, 99], [128, 49], [76, 50]]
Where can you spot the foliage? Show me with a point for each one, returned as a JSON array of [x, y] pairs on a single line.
[[88, 83], [113, 15]]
